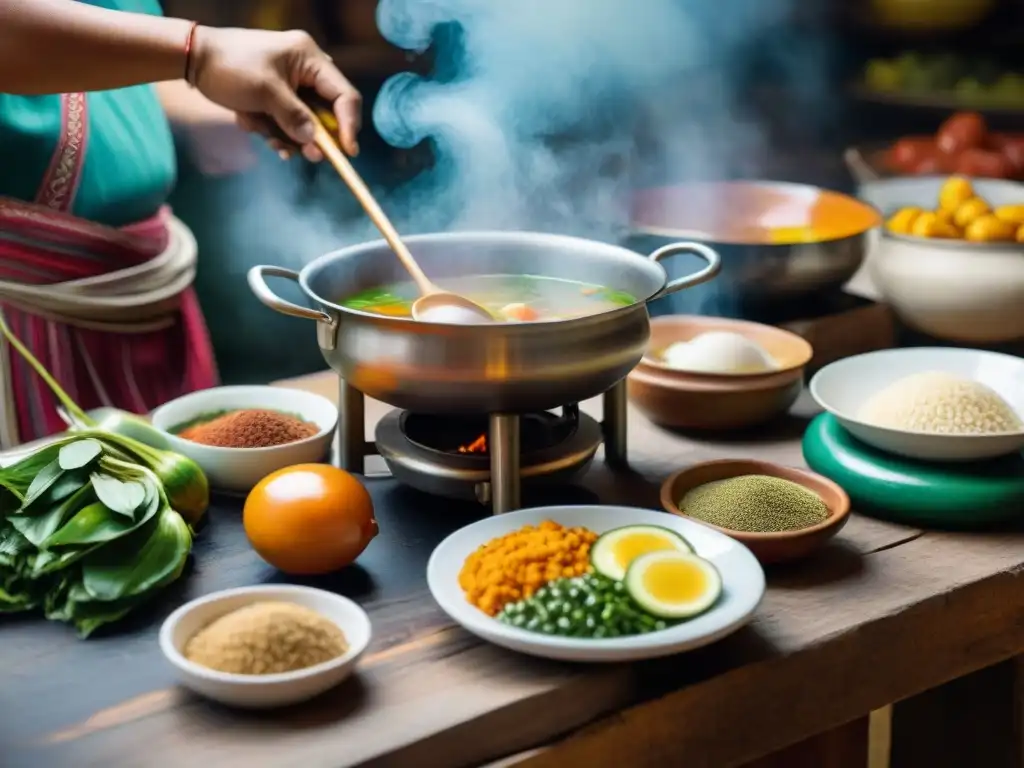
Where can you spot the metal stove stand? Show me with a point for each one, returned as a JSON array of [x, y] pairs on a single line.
[[506, 472]]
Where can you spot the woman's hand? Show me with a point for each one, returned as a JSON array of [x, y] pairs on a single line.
[[256, 73]]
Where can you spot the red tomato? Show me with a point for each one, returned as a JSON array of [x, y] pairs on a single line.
[[907, 153], [1011, 146], [933, 165], [964, 130], [984, 163]]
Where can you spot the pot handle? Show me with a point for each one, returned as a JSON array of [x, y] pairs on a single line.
[[708, 254], [258, 284]]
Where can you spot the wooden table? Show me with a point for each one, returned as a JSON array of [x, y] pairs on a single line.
[[881, 614]]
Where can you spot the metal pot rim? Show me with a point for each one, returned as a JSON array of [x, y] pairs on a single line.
[[328, 313], [490, 237]]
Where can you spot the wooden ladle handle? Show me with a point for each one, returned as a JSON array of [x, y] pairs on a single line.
[[327, 144]]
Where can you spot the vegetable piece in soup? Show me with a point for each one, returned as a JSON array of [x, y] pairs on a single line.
[[513, 298]]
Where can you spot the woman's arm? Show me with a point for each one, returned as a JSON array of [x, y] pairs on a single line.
[[61, 46], [185, 105]]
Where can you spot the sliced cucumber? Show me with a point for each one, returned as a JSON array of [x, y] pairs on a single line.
[[673, 585], [614, 550]]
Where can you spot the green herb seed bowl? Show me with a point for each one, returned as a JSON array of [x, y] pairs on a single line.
[[768, 548]]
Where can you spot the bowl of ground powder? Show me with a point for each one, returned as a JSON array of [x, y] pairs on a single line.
[[265, 646], [780, 513], [239, 435]]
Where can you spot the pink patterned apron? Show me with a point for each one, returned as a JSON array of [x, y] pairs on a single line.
[[109, 311]]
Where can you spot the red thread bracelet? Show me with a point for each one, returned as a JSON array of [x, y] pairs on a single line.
[[189, 40]]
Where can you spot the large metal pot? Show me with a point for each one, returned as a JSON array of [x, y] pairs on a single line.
[[499, 368]]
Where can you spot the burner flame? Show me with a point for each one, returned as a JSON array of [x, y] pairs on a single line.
[[477, 446]]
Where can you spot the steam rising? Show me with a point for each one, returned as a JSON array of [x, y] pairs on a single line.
[[543, 114], [537, 126]]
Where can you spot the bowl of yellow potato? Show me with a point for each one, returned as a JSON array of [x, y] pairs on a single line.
[[950, 257]]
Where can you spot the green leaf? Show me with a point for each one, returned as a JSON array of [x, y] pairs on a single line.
[[121, 497], [11, 498], [62, 489], [149, 557], [16, 603], [54, 561], [30, 465], [88, 615], [17, 593], [16, 479], [79, 453], [96, 524], [57, 605], [41, 483], [39, 527], [13, 544]]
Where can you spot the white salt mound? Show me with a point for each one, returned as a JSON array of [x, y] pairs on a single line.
[[940, 403], [719, 352]]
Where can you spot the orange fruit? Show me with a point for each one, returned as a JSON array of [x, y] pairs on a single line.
[[309, 519]]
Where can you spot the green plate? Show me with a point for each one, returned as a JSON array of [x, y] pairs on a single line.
[[915, 492]]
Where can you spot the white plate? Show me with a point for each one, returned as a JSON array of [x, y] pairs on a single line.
[[843, 387], [742, 585], [264, 691]]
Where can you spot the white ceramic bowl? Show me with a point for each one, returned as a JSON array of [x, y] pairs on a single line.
[[239, 469], [844, 386], [953, 290], [742, 585], [264, 691]]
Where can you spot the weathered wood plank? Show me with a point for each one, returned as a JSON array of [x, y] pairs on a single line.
[[973, 617], [838, 635], [441, 699], [842, 747]]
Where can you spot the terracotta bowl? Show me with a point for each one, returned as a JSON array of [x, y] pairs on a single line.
[[710, 401], [767, 547]]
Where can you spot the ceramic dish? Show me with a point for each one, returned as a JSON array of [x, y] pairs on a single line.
[[843, 387], [239, 469], [264, 691], [686, 400], [742, 586], [767, 547], [922, 494], [778, 241], [951, 289]]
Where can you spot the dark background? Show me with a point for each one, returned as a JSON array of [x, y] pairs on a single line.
[[809, 126]]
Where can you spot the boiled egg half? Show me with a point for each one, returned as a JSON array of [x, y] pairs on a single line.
[[671, 584], [614, 551]]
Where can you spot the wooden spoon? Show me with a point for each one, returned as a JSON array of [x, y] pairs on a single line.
[[435, 304]]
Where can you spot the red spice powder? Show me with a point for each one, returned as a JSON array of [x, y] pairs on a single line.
[[250, 429]]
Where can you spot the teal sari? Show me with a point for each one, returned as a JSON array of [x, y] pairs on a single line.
[[95, 274], [129, 166]]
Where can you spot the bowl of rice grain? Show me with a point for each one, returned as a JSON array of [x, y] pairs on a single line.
[[928, 403]]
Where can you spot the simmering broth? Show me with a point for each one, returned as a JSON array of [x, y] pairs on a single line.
[[512, 298]]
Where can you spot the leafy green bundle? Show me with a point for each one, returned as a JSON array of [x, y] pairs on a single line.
[[86, 534], [92, 525]]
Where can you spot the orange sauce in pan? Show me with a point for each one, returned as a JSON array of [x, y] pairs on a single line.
[[751, 213]]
